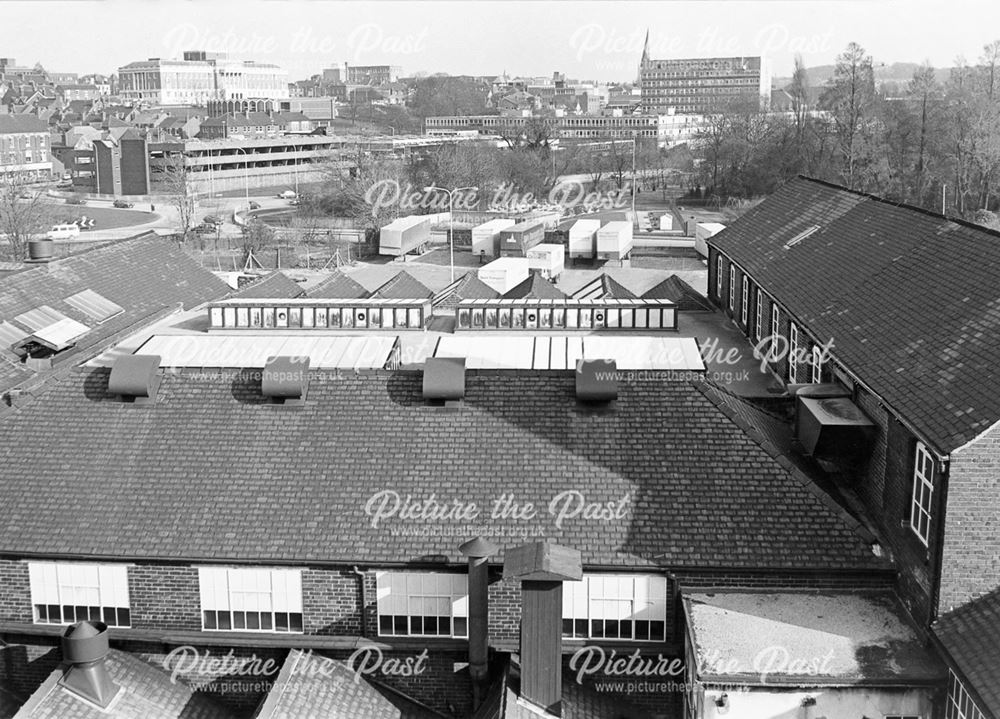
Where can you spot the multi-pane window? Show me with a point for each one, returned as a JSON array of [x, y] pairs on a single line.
[[960, 704], [745, 301], [434, 604], [793, 353], [732, 286], [251, 600], [74, 592], [775, 317], [923, 491], [816, 365], [718, 277], [758, 315], [616, 606]]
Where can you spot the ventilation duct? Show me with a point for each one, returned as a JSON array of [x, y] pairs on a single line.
[[285, 380], [829, 426], [444, 379], [85, 646], [596, 380], [42, 250], [135, 378]]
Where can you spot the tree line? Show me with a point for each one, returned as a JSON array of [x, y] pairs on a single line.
[[935, 145]]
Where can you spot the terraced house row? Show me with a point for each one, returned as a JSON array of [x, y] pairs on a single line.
[[479, 523]]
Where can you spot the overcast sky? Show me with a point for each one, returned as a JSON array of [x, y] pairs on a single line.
[[585, 40]]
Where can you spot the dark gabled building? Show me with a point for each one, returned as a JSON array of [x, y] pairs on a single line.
[[909, 301], [402, 286], [535, 287], [121, 164], [686, 297], [275, 285], [338, 286]]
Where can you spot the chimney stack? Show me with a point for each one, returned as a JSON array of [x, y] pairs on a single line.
[[542, 567], [85, 646], [478, 551]]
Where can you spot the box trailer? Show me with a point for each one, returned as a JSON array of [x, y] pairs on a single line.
[[614, 240], [404, 235], [505, 273], [486, 237], [547, 259], [583, 238], [702, 231], [515, 241]]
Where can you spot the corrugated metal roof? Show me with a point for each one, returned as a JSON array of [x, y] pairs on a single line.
[[94, 305], [10, 335], [60, 335], [562, 352], [39, 317], [324, 352]]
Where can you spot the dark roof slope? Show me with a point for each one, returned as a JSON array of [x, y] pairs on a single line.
[[686, 297], [210, 472], [10, 124], [403, 286], [467, 287], [604, 287], [338, 286], [535, 287], [276, 285], [971, 635], [909, 298], [144, 275]]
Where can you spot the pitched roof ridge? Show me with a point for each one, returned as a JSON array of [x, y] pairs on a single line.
[[852, 522]]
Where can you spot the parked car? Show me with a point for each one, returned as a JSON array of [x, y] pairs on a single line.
[[204, 228], [213, 220], [65, 182], [294, 202], [122, 204], [63, 232], [76, 200], [254, 205], [287, 195]]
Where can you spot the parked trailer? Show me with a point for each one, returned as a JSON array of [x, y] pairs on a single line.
[[517, 240], [404, 235], [614, 240], [583, 238], [486, 237], [548, 259], [702, 231], [505, 273]]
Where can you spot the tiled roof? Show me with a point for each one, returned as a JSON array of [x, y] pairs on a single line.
[[604, 287], [338, 286], [468, 287], [310, 685], [677, 290], [909, 298], [971, 636], [184, 478], [145, 691], [9, 704], [276, 285], [145, 275], [403, 286], [535, 287]]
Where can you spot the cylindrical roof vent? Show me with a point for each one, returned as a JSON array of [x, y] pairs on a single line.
[[85, 647], [41, 250], [596, 380], [444, 378], [285, 379], [135, 378]]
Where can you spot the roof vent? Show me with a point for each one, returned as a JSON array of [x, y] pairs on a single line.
[[801, 236], [596, 380], [85, 646], [135, 378], [285, 380], [444, 379], [41, 250]]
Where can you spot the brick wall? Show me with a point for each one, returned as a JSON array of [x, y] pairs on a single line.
[[164, 597], [15, 592], [971, 561], [871, 477], [331, 601], [25, 662]]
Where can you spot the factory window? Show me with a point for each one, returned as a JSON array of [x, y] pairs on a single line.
[[923, 491], [793, 353], [718, 277], [960, 704], [759, 315], [423, 604], [616, 606], [745, 301], [251, 600], [732, 286], [74, 592]]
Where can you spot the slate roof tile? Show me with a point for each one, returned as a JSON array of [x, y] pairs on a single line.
[[535, 287], [686, 297], [276, 285], [403, 286], [971, 635], [338, 286]]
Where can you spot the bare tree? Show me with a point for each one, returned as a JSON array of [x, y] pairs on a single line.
[[24, 213], [850, 98], [177, 186]]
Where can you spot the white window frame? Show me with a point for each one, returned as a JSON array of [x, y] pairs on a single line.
[[816, 366], [732, 286], [232, 596], [775, 319], [923, 493], [793, 350], [405, 601], [758, 316], [625, 599], [69, 592], [744, 300], [718, 277], [960, 704]]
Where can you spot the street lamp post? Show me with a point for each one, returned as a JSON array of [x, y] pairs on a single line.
[[246, 174], [451, 218]]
